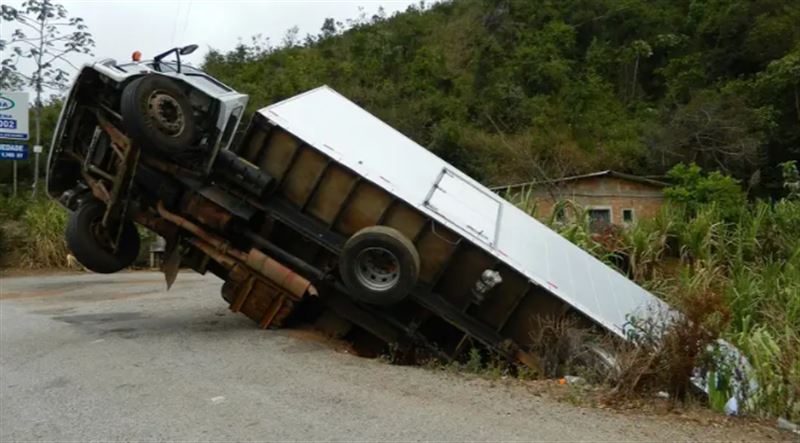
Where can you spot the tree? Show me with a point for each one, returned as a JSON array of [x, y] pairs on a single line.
[[47, 36], [694, 189], [574, 85], [328, 29], [716, 131], [636, 51], [791, 179]]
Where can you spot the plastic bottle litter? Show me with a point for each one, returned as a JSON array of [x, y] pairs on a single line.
[[789, 426], [574, 380], [732, 407]]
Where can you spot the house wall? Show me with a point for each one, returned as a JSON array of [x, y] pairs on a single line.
[[603, 192]]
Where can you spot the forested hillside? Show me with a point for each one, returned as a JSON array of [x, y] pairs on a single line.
[[513, 90]]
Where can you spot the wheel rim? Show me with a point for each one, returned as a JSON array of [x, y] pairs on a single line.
[[166, 113], [377, 269]]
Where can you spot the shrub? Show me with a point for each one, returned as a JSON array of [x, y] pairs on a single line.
[[735, 276], [776, 367], [693, 189], [668, 349], [791, 179], [12, 208], [43, 244]]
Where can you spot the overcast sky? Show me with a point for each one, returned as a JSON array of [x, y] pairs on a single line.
[[120, 27]]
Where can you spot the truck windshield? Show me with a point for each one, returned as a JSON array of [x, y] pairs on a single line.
[[163, 67], [206, 82], [194, 75], [173, 67]]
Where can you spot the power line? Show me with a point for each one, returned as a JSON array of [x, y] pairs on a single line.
[[175, 25], [186, 22]]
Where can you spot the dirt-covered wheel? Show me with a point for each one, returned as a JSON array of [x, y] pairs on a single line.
[[91, 243], [379, 265], [157, 114], [599, 361]]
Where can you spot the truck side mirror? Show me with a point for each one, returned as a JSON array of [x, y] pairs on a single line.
[[188, 49]]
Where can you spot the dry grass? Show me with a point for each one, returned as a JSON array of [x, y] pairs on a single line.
[[43, 244]]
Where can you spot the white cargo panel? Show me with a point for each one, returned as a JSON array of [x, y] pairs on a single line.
[[329, 122], [466, 205]]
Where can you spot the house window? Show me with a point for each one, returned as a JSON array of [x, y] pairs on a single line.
[[599, 217], [627, 215]]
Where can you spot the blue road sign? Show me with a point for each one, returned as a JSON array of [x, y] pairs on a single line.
[[13, 151]]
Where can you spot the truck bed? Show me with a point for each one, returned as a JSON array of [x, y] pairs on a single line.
[[339, 169]]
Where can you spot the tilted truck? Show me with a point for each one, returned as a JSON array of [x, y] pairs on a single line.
[[320, 208]]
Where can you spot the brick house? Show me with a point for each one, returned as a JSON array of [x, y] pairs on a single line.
[[610, 197]]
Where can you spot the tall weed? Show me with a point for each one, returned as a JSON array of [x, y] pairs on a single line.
[[734, 275], [43, 244]]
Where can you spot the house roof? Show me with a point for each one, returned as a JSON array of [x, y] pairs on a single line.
[[606, 173]]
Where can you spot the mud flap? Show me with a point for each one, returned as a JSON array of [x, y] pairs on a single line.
[[172, 262], [261, 300]]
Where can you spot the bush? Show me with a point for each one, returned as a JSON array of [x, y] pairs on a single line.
[[791, 179], [694, 189], [43, 244], [731, 268], [667, 350], [12, 208]]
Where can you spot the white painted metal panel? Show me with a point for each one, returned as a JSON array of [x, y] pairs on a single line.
[[339, 128], [457, 200]]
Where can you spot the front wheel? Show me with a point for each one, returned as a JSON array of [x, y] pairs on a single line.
[[158, 115], [91, 243]]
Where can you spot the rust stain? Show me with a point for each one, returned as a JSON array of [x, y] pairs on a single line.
[[271, 312]]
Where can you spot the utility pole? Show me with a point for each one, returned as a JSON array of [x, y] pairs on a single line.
[[38, 108], [14, 173], [38, 121]]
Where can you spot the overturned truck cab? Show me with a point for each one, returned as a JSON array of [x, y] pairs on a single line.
[[322, 212]]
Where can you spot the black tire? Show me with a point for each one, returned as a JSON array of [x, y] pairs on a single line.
[[379, 265], [94, 253], [158, 115], [599, 362]]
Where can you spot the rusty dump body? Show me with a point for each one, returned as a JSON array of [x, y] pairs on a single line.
[[276, 212]]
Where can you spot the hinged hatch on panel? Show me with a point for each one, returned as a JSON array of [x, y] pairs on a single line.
[[472, 209]]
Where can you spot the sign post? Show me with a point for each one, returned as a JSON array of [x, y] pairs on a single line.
[[14, 126]]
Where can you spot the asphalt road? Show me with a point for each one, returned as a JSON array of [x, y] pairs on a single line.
[[91, 357]]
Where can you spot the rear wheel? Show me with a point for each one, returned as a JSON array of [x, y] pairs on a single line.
[[91, 242], [379, 265], [598, 361], [158, 115]]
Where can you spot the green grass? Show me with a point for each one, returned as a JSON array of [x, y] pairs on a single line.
[[32, 234], [737, 276], [42, 244]]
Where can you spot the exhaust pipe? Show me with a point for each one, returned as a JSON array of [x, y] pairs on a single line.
[[256, 260]]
